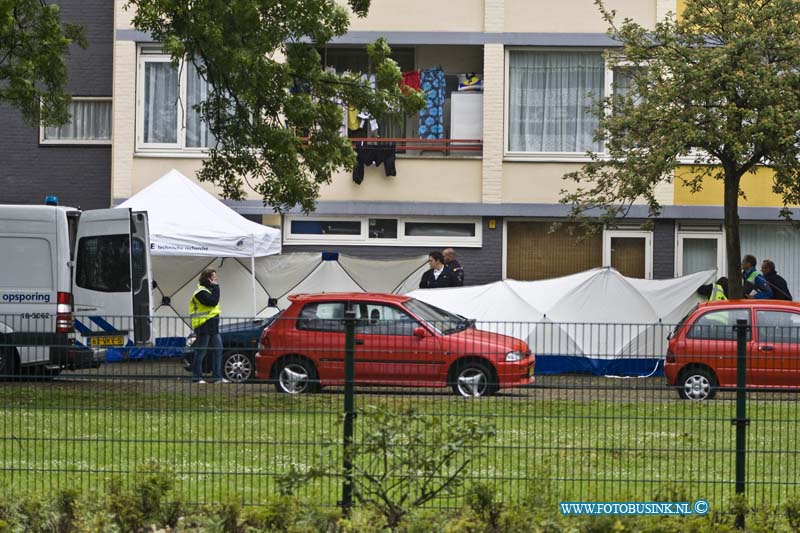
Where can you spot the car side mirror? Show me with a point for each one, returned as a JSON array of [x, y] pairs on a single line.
[[419, 333]]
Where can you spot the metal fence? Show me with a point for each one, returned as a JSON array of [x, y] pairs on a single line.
[[599, 422]]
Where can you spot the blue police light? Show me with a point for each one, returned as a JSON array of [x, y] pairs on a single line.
[[51, 200]]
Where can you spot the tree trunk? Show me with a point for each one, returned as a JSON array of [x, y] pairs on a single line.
[[733, 247]]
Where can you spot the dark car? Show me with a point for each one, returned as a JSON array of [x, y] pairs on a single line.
[[239, 347]]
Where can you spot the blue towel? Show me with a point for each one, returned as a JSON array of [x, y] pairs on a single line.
[[431, 119]]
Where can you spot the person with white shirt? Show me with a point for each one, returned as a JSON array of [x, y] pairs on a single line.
[[439, 275]]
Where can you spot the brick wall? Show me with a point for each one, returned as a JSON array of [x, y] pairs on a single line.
[[664, 249], [78, 175]]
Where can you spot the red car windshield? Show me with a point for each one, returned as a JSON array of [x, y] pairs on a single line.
[[442, 321]]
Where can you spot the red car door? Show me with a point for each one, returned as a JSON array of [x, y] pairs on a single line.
[[711, 341], [777, 348], [387, 350]]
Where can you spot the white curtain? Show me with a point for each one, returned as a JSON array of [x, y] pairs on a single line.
[[91, 121], [776, 241], [198, 135], [548, 100], [699, 255], [160, 102]]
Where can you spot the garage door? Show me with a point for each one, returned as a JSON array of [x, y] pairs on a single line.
[[535, 251]]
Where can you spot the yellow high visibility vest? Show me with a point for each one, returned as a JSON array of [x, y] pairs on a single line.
[[717, 294], [199, 312]]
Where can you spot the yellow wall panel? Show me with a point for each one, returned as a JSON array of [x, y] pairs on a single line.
[[757, 188]]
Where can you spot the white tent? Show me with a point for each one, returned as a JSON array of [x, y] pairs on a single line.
[[187, 222], [277, 276], [597, 321]]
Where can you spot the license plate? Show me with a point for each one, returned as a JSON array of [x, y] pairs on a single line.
[[110, 340], [530, 371]]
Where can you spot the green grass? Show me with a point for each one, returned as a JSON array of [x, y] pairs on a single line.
[[590, 444]]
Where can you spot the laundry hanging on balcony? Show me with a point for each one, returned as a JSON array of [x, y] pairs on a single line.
[[431, 120], [374, 153]]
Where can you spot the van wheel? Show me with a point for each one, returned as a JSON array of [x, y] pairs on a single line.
[[697, 383], [237, 366], [296, 375], [473, 379]]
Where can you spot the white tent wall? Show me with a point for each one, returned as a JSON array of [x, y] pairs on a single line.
[[595, 321], [277, 276]]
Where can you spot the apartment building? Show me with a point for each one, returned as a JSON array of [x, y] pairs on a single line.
[[488, 181], [72, 162]]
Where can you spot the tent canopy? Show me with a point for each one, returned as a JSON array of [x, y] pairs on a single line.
[[185, 220], [595, 321]]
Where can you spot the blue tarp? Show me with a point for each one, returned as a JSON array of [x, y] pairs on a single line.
[[628, 366], [164, 347]]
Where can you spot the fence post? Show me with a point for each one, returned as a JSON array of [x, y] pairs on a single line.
[[349, 411], [741, 421]]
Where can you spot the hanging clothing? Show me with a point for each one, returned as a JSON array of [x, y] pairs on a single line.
[[375, 154], [410, 79], [353, 121], [431, 121]]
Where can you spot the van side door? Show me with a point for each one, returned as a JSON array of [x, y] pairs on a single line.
[[111, 279]]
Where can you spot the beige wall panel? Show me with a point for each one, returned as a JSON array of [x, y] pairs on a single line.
[[537, 183], [421, 15], [572, 16], [122, 16], [123, 110], [417, 180], [453, 59], [149, 169]]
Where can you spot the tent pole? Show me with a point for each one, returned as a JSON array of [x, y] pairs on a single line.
[[253, 280]]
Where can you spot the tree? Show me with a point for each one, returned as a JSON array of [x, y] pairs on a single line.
[[33, 74], [275, 112], [720, 86]]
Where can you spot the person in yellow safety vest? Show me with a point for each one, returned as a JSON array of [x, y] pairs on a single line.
[[715, 291], [754, 280], [204, 311]]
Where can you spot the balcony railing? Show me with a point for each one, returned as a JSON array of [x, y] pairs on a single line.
[[414, 146]]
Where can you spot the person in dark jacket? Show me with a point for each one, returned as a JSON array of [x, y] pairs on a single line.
[[204, 311], [455, 267], [780, 290], [438, 276]]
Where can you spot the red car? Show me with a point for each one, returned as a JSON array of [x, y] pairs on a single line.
[[400, 341], [701, 358]]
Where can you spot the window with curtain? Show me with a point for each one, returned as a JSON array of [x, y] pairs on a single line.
[[90, 122], [777, 241], [550, 93], [167, 114]]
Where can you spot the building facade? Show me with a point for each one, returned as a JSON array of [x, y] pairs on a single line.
[[490, 181], [72, 162]]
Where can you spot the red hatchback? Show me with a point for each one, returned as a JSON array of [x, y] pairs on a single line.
[[702, 350], [400, 341]]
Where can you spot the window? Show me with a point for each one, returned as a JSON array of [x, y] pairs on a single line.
[[379, 319], [778, 326], [323, 316], [396, 231], [90, 123], [549, 94], [104, 263], [166, 100], [568, 252], [718, 325], [29, 267], [630, 252], [777, 241], [699, 248]]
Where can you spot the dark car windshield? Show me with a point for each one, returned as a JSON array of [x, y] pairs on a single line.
[[442, 321]]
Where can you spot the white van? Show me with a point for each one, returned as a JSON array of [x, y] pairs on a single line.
[[72, 284]]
